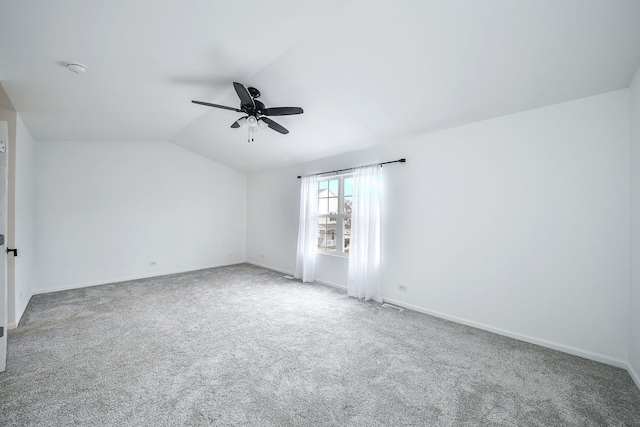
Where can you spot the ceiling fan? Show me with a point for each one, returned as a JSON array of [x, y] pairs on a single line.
[[257, 114]]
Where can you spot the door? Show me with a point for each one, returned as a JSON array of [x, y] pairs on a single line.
[[4, 142]]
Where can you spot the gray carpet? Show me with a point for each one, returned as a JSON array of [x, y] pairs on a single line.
[[242, 345]]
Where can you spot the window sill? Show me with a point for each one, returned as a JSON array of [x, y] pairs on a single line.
[[333, 254]]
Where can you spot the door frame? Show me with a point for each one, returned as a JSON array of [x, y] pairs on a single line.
[[4, 187]]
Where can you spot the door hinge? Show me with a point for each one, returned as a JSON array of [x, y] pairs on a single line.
[[3, 148], [1, 331]]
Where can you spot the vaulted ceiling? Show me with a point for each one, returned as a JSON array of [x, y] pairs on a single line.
[[365, 72]]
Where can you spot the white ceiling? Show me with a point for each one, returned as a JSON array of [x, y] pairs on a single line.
[[365, 72]]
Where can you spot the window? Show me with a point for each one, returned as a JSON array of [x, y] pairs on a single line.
[[335, 199]]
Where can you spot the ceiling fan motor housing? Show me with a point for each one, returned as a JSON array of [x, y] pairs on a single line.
[[255, 93]]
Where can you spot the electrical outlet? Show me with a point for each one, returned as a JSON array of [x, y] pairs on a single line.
[[402, 287], [153, 264]]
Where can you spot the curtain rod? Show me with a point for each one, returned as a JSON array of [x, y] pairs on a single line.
[[355, 167]]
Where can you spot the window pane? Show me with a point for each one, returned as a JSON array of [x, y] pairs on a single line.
[[348, 202], [323, 185], [323, 206], [334, 185], [333, 205], [347, 235], [348, 186], [331, 238], [322, 233]]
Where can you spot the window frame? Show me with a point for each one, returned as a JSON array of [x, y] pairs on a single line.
[[340, 217]]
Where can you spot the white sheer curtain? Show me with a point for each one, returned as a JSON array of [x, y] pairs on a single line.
[[364, 280], [307, 229]]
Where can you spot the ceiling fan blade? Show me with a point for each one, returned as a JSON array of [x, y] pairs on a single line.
[[245, 98], [275, 126], [236, 124], [208, 104], [282, 111]]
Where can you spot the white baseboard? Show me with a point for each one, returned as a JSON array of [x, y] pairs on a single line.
[[12, 324], [634, 375], [291, 273], [270, 267], [543, 343], [331, 284], [126, 279], [19, 314]]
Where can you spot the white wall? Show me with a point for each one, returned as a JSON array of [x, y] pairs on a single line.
[[24, 219], [518, 224], [105, 210], [634, 297]]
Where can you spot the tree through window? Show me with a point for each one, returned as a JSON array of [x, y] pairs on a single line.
[[335, 199]]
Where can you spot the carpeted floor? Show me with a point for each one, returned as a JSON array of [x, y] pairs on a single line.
[[241, 345]]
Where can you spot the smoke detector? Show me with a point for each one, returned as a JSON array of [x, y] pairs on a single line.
[[77, 68]]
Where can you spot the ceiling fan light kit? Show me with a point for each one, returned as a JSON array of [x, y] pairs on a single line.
[[255, 111]]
